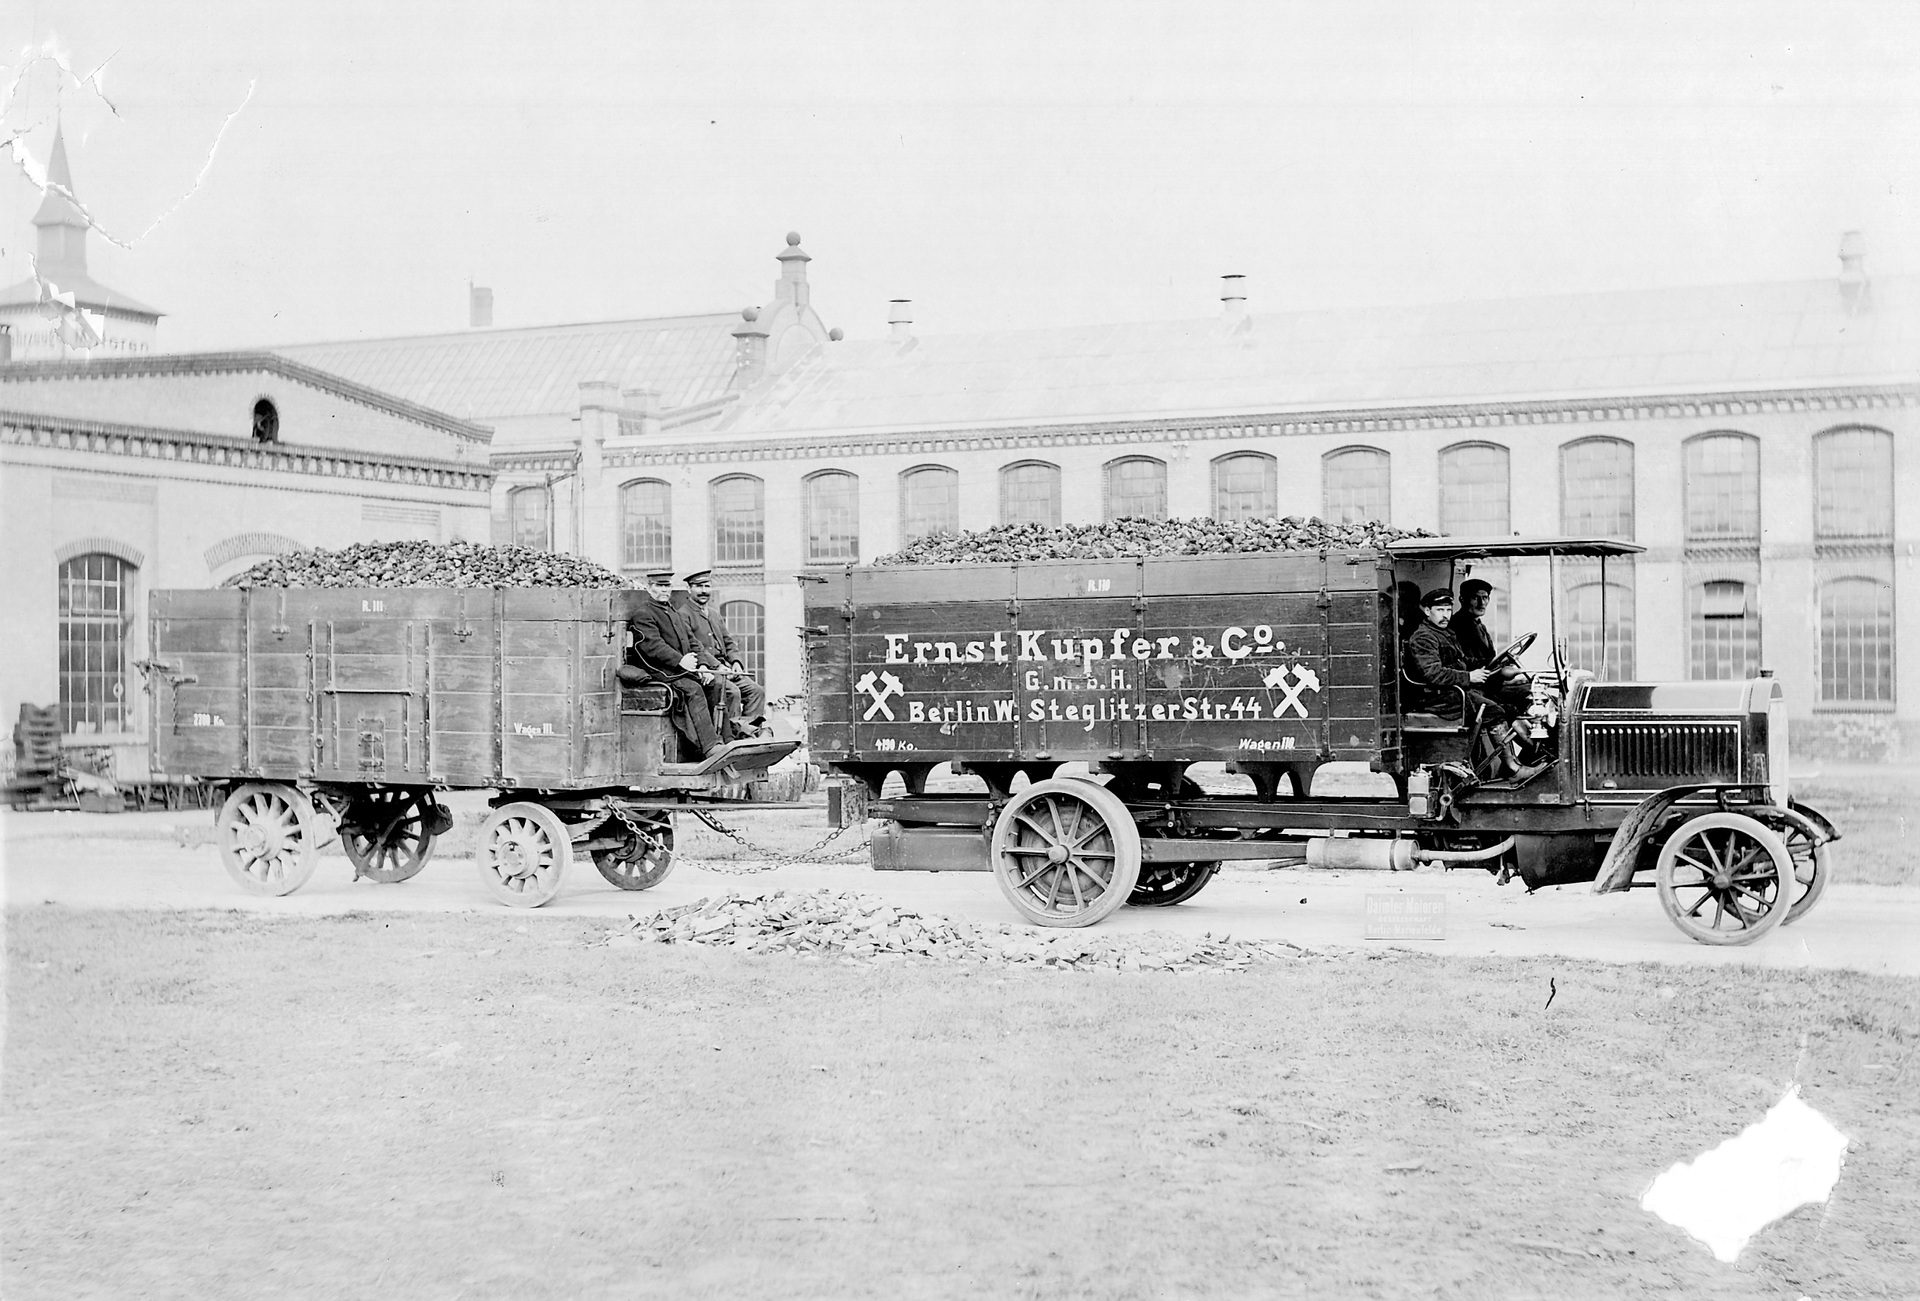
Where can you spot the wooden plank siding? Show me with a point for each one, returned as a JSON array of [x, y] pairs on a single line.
[[402, 686], [1276, 658]]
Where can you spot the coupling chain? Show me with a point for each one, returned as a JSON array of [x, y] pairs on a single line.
[[774, 858]]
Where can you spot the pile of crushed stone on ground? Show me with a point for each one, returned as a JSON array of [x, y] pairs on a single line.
[[426, 564], [1124, 539], [845, 924]]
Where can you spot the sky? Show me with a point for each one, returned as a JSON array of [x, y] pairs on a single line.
[[276, 174]]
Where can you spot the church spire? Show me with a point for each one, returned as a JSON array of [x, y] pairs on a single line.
[[62, 226]]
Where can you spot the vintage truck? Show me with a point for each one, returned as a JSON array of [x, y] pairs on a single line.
[[1080, 692], [319, 709]]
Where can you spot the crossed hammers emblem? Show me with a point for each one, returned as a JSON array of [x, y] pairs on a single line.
[[882, 689], [1304, 679]]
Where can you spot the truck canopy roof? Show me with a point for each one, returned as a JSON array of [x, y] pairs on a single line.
[[1443, 548]]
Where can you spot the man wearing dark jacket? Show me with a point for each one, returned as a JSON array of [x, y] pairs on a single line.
[[1435, 660], [746, 699], [1507, 684], [665, 645]]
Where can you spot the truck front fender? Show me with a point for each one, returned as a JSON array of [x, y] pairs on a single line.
[[1616, 869]]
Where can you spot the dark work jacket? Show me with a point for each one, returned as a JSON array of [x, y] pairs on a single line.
[[1435, 659], [709, 627], [1475, 642], [661, 636]]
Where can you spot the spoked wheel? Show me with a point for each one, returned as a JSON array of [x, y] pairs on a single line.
[[388, 835], [1165, 884], [1725, 878], [524, 851], [642, 860], [1066, 852], [1811, 860], [269, 837]]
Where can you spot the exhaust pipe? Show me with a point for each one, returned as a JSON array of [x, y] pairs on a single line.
[[1380, 855]]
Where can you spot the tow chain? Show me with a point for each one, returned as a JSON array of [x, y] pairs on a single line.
[[774, 859]]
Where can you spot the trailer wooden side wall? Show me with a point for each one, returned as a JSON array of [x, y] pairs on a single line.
[[1255, 657], [462, 687]]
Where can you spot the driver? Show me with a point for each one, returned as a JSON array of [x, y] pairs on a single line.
[[1435, 660], [1511, 687]]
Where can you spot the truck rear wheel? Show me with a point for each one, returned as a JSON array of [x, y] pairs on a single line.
[[1725, 878], [523, 854], [1066, 852], [1166, 884], [269, 837]]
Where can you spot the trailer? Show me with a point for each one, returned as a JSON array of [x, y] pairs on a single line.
[[1080, 693], [348, 710]]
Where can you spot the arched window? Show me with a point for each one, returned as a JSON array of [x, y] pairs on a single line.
[[739, 521], [832, 502], [1356, 485], [1030, 494], [1853, 473], [1596, 488], [527, 519], [646, 525], [1856, 640], [1725, 628], [929, 502], [266, 422], [1136, 488], [96, 617], [1723, 489], [1591, 608], [1474, 498], [1246, 485], [746, 622]]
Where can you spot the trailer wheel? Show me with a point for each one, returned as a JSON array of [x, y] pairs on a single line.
[[642, 861], [1725, 878], [1166, 884], [269, 837], [524, 851], [1066, 852], [387, 835]]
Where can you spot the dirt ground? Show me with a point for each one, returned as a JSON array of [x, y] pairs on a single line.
[[219, 1104]]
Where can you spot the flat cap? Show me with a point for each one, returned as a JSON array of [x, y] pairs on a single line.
[[697, 575], [1438, 596], [1473, 585], [660, 576]]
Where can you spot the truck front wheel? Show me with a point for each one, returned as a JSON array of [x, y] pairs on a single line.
[[1066, 852]]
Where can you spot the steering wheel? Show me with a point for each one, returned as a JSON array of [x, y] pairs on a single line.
[[1514, 650]]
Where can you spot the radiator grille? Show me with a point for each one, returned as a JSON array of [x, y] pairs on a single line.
[[1651, 756]]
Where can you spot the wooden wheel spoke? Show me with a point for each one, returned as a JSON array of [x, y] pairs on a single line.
[[1046, 837], [1053, 891], [1032, 876]]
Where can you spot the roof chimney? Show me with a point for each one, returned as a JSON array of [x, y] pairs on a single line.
[[479, 307], [900, 317], [1856, 292], [791, 287], [1233, 296]]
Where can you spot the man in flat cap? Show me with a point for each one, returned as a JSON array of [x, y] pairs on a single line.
[[1508, 684], [746, 699], [666, 645], [1435, 660]]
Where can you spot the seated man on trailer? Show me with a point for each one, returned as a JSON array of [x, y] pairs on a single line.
[[664, 644], [1435, 660], [746, 699]]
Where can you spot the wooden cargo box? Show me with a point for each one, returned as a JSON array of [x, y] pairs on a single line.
[[1277, 658], [461, 687]]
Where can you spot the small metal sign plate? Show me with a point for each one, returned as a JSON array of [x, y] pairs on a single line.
[[1406, 915]]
